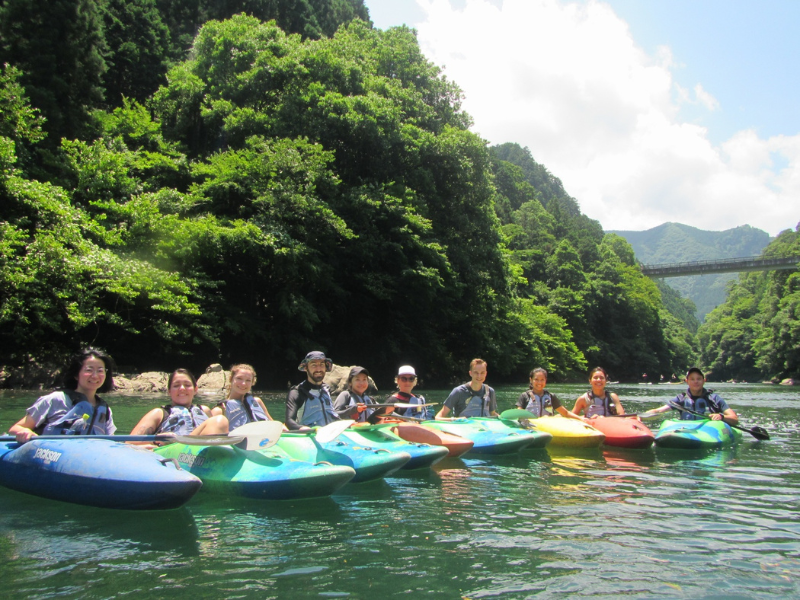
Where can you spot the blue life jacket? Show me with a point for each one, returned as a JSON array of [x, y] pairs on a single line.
[[81, 419], [180, 419], [353, 399], [600, 406], [317, 408], [478, 405], [540, 406], [708, 402], [424, 413], [241, 412]]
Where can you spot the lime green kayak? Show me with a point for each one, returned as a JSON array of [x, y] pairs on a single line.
[[696, 435], [265, 474]]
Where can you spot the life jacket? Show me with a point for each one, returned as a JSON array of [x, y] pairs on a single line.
[[353, 399], [317, 408], [707, 402], [539, 405], [241, 412], [180, 419], [425, 413], [478, 405], [600, 406], [81, 419]]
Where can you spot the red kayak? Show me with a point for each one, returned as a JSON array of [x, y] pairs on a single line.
[[411, 432], [623, 432]]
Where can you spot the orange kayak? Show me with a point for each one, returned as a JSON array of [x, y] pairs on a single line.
[[411, 432]]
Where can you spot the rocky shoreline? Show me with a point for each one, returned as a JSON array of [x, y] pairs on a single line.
[[215, 381]]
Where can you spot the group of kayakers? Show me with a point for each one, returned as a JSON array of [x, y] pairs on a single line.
[[79, 410]]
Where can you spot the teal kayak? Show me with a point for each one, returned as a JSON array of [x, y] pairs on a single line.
[[423, 456], [368, 464], [486, 438], [95, 472], [695, 435], [539, 439], [268, 474]]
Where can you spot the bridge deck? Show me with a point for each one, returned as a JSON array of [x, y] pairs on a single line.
[[725, 265]]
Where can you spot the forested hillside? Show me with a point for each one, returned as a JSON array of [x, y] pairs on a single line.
[[675, 242], [280, 192], [755, 334]]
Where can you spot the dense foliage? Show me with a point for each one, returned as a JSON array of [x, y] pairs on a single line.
[[755, 334], [283, 192]]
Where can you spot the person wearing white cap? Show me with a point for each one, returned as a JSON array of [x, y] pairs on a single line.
[[406, 379], [472, 399], [309, 403]]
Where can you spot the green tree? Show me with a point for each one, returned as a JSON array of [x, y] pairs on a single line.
[[59, 47]]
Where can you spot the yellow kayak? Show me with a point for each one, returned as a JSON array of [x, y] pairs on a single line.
[[569, 433]]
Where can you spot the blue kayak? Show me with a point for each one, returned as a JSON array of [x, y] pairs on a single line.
[[490, 436], [369, 464], [95, 472], [269, 474], [375, 437], [694, 435]]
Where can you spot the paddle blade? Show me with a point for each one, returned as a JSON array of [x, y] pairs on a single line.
[[512, 414], [649, 415], [258, 435], [332, 430], [757, 432]]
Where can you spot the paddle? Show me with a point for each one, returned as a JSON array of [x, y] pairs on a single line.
[[257, 435], [192, 440], [401, 405], [332, 430], [252, 436], [645, 415], [757, 432]]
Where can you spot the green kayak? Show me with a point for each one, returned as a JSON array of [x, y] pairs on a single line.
[[265, 474], [695, 435]]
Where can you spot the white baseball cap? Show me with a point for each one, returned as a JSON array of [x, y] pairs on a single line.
[[407, 370]]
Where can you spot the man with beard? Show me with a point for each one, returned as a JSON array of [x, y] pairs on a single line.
[[309, 403]]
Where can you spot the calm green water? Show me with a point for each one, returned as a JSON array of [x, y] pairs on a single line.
[[639, 523]]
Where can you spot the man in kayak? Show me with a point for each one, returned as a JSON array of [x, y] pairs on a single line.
[[309, 403], [541, 402], [698, 399], [473, 399]]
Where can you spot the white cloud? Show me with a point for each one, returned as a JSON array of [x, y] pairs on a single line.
[[567, 81]]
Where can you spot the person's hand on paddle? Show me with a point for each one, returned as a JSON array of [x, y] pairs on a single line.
[[361, 408], [715, 416]]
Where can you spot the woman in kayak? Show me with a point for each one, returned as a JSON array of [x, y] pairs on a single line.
[[77, 409], [597, 402], [406, 380], [353, 402], [539, 401], [241, 406], [181, 417]]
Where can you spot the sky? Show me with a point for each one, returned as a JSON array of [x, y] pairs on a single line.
[[648, 111]]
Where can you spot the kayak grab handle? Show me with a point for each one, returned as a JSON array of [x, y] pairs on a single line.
[[164, 461], [323, 462]]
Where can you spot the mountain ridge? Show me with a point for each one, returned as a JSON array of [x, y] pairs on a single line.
[[677, 242]]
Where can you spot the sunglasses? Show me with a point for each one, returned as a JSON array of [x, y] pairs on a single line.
[[406, 377]]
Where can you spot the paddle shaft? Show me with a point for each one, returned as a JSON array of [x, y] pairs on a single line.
[[113, 438], [757, 432]]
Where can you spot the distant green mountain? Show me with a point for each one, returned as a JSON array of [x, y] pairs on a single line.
[[674, 242]]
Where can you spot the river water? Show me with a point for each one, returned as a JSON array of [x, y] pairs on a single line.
[[601, 523]]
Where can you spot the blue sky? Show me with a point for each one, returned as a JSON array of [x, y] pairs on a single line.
[[649, 111]]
